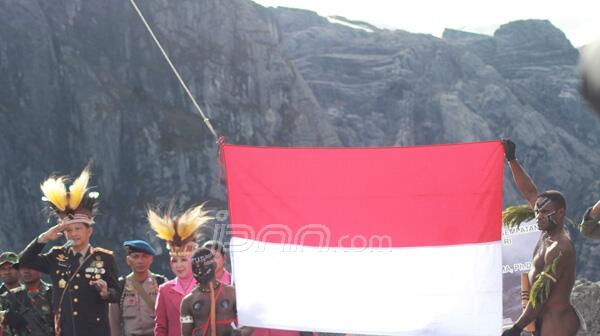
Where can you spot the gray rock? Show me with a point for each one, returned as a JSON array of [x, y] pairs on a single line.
[[83, 82], [586, 298], [395, 88]]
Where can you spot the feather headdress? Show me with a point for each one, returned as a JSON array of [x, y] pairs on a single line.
[[179, 231], [77, 204]]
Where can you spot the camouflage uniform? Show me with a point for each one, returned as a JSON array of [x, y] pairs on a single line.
[[28, 313]]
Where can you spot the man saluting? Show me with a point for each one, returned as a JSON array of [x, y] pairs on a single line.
[[84, 277]]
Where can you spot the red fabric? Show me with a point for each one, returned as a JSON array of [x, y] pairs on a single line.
[[419, 196], [274, 332]]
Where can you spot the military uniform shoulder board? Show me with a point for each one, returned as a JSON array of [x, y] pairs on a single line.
[[54, 250], [103, 250], [16, 289]]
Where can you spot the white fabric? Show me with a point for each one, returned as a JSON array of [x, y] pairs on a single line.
[[449, 290]]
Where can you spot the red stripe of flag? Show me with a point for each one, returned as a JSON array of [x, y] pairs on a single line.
[[415, 196]]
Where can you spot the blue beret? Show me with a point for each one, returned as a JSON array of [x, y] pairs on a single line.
[[139, 246]]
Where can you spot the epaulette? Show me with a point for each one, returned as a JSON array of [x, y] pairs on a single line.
[[16, 289], [57, 248], [103, 250]]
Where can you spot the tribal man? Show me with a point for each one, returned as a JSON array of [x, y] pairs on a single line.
[[552, 273], [210, 308]]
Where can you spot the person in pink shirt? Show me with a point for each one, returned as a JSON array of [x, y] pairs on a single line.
[[220, 254], [180, 235]]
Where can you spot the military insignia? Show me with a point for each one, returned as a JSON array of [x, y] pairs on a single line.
[[103, 250], [100, 264], [62, 283], [61, 258], [130, 301]]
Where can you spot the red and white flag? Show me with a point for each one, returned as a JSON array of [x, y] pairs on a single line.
[[382, 241]]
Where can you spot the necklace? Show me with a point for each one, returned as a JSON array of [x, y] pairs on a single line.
[[207, 290], [187, 286]]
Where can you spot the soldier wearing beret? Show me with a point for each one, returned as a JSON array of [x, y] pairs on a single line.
[[134, 314], [84, 278]]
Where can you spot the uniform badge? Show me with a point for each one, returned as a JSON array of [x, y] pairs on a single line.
[[62, 283], [130, 300], [61, 258]]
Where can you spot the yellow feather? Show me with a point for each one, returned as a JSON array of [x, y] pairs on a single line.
[[78, 188], [55, 191], [163, 226], [191, 220]]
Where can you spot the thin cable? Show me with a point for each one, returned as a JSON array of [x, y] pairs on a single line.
[[204, 118]]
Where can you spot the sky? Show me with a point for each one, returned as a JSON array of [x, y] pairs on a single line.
[[578, 19]]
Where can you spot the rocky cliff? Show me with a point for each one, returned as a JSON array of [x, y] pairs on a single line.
[[82, 81], [383, 88]]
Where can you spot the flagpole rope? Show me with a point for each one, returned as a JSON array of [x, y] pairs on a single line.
[[162, 50]]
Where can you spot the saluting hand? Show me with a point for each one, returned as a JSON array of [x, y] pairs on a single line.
[[52, 233]]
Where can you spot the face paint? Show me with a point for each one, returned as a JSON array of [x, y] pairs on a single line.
[[203, 267], [544, 216], [544, 202], [552, 222], [198, 306]]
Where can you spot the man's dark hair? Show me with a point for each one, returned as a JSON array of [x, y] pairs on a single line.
[[556, 197], [217, 246]]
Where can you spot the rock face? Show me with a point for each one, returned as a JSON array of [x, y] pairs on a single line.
[[585, 297], [82, 81], [383, 88]]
